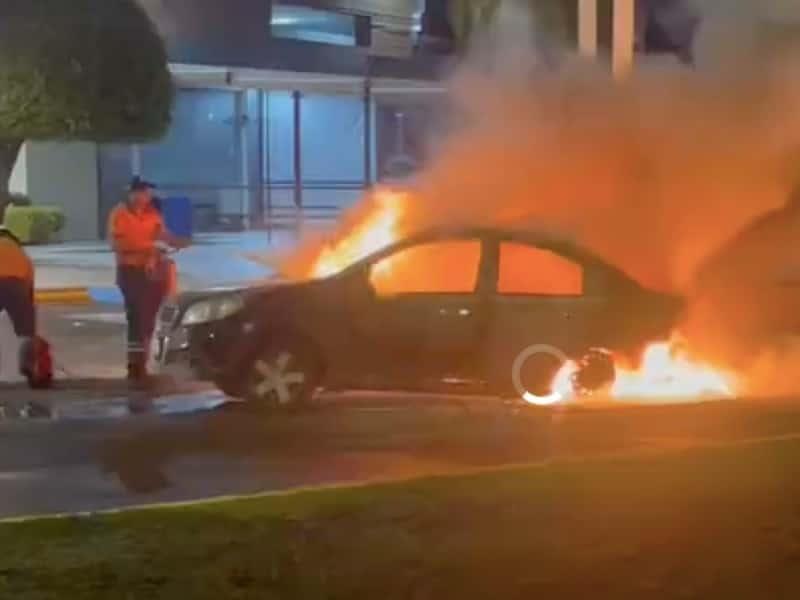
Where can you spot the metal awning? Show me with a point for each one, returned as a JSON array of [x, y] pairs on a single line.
[[200, 76]]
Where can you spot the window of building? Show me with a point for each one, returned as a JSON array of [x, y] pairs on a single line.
[[447, 267], [531, 271], [313, 25]]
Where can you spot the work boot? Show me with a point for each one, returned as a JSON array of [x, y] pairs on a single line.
[[137, 372]]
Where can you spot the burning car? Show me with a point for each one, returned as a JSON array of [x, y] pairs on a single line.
[[446, 309]]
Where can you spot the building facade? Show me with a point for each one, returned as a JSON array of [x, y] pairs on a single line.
[[298, 105], [280, 106]]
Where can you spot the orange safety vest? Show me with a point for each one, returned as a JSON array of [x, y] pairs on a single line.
[[133, 235], [14, 263]]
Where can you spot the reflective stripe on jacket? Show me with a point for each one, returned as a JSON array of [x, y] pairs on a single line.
[[133, 235]]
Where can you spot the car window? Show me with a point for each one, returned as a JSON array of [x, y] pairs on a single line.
[[531, 271], [444, 267]]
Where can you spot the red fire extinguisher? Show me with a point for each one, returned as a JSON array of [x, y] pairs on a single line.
[[36, 363]]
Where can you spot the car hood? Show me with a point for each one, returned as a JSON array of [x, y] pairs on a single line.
[[248, 289]]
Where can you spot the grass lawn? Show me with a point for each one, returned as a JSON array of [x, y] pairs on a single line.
[[707, 523]]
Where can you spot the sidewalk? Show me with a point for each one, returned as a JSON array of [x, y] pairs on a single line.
[[212, 260]]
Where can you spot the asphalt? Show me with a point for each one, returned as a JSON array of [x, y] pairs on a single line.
[[92, 445]]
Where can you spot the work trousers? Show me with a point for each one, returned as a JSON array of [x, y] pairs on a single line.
[[143, 296], [16, 298]]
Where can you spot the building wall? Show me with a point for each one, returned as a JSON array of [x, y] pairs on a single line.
[[65, 175], [18, 182], [233, 153]]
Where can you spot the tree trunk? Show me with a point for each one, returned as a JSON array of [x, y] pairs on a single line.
[[9, 150]]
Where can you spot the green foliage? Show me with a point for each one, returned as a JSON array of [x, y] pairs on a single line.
[[713, 522], [81, 69], [35, 224]]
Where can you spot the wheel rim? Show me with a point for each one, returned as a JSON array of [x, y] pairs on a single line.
[[280, 378]]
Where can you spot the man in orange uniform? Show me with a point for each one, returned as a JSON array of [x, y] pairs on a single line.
[[16, 283], [135, 226]]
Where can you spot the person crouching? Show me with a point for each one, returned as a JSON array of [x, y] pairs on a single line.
[[16, 283]]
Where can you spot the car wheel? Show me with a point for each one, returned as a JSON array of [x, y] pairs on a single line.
[[285, 374]]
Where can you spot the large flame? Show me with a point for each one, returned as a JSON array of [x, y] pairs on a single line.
[[379, 228], [667, 372]]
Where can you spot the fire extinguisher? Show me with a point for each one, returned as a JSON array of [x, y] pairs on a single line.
[[36, 363]]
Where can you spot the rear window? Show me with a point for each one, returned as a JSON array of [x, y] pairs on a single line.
[[530, 271]]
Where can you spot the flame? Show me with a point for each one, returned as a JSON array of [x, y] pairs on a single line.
[[379, 228], [666, 372]]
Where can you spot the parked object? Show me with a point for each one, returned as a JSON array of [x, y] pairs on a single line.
[[178, 216], [165, 271]]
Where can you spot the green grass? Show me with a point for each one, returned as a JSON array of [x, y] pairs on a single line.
[[710, 523]]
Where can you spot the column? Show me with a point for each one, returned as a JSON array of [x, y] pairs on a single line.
[[624, 36], [242, 154], [368, 123], [298, 150], [136, 159], [587, 28]]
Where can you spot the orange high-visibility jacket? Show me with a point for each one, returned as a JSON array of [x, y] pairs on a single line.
[[14, 263], [133, 235]]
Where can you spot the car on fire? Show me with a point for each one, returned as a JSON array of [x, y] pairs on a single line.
[[447, 309]]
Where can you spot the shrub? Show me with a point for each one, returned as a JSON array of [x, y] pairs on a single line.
[[35, 224]]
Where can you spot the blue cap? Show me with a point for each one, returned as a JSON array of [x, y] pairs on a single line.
[[138, 184]]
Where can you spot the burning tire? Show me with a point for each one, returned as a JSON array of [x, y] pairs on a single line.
[[285, 374], [595, 373]]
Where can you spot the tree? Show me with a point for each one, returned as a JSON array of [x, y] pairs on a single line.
[[79, 70]]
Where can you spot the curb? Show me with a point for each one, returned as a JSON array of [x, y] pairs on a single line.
[[78, 296], [63, 296]]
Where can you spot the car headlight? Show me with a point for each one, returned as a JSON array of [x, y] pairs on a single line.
[[213, 309]]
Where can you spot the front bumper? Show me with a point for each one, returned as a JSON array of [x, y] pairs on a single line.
[[170, 355]]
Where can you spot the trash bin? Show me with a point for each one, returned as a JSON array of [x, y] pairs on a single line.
[[178, 216]]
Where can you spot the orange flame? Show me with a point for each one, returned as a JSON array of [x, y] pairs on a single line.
[[667, 372], [380, 228]]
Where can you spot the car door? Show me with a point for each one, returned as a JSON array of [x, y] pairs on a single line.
[[420, 323], [545, 306]]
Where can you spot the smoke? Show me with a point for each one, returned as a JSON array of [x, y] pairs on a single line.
[[656, 173], [653, 173]]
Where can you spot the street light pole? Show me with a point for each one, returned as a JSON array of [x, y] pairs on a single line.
[[623, 38], [587, 28]]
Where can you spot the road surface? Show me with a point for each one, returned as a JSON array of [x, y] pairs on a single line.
[[103, 447]]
